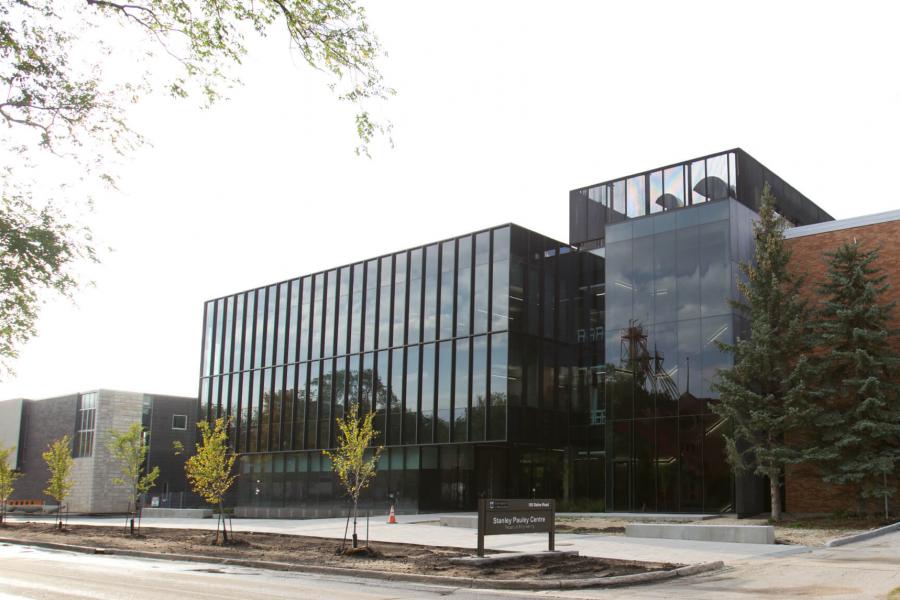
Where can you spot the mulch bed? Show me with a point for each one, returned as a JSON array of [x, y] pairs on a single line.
[[304, 550]]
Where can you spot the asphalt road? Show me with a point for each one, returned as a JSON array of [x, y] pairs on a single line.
[[864, 570]]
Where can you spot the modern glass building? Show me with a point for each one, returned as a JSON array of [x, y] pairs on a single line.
[[503, 363]]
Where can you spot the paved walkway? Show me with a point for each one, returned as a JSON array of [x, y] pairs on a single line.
[[420, 529]]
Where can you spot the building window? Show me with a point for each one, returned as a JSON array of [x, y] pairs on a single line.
[[179, 422], [85, 418]]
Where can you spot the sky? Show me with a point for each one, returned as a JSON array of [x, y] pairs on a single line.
[[502, 107]]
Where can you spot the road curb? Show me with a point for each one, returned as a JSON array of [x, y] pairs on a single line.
[[446, 580], [866, 535]]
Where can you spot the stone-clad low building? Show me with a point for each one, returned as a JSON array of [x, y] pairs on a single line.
[[805, 492], [88, 419]]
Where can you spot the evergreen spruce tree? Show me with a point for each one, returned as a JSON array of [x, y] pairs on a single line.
[[860, 428], [765, 395]]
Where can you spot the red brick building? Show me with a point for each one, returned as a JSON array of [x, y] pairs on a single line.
[[805, 492]]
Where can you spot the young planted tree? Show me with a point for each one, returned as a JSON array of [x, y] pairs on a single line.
[[7, 479], [59, 462], [209, 470], [130, 453], [766, 395], [860, 430], [349, 460]]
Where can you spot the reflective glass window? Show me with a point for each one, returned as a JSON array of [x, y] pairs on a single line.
[[326, 390], [657, 202], [244, 413], [461, 392], [413, 333], [229, 328], [340, 384], [371, 304], [208, 322], [305, 319], [269, 353], [395, 399], [384, 304], [482, 289], [426, 410], [300, 406], [277, 408], [293, 319], [499, 381], [698, 182], [411, 401], [253, 412], [288, 399], [429, 321], [238, 332], [343, 310], [399, 337], [312, 404], [673, 184], [264, 414], [366, 387], [636, 195], [330, 305], [501, 244], [218, 331], [444, 392], [281, 336], [260, 328], [464, 286], [732, 175], [353, 377], [687, 260], [382, 399], [316, 312], [717, 187], [448, 275], [665, 271], [599, 194], [356, 322], [715, 268], [618, 193], [477, 415]]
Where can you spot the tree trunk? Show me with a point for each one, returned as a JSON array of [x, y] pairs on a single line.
[[224, 527], [775, 496], [355, 539]]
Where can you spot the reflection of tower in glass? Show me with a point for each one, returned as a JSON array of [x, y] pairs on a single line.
[[637, 358]]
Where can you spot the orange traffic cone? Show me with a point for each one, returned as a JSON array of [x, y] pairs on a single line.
[[391, 518]]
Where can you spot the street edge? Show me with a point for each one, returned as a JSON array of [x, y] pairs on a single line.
[[498, 584]]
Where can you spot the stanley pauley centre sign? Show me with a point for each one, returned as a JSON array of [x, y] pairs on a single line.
[[500, 517]]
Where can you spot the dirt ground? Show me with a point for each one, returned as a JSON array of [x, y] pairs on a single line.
[[805, 531], [302, 550]]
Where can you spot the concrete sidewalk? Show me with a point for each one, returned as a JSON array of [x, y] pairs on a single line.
[[418, 529]]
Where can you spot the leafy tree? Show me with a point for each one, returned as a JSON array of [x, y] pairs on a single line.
[[71, 68], [860, 430], [37, 252], [59, 462], [7, 479], [130, 453], [766, 395], [209, 470], [351, 460]]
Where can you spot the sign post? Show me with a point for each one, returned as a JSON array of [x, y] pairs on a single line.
[[498, 517]]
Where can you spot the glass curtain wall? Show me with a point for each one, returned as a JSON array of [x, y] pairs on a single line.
[[419, 337], [668, 281]]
